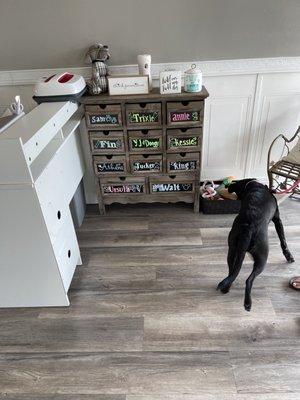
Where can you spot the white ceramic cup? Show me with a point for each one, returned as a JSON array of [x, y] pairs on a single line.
[[144, 63]]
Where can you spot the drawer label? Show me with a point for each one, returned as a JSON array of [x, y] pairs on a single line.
[[127, 188], [185, 116], [151, 143], [172, 187], [184, 142], [182, 165], [107, 144], [143, 117], [104, 119], [146, 166], [110, 167]]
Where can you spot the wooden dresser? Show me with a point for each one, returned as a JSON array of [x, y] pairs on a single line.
[[146, 148]]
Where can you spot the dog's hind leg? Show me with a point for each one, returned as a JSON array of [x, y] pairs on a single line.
[[280, 232], [235, 258], [258, 267]]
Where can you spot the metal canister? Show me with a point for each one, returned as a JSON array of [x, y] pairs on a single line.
[[193, 79]]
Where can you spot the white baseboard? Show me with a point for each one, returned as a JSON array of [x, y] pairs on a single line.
[[209, 68]]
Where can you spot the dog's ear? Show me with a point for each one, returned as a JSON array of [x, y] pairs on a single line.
[[232, 187]]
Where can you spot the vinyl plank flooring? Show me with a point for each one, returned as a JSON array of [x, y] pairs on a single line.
[[216, 396], [267, 370], [94, 223], [124, 239], [195, 332], [72, 334], [116, 373], [146, 322]]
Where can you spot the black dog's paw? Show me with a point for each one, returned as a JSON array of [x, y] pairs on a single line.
[[223, 286], [247, 306], [289, 257]]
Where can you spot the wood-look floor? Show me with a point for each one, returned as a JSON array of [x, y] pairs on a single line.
[[146, 323]]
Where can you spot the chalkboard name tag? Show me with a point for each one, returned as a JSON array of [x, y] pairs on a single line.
[[143, 117], [106, 144], [182, 165], [146, 166], [172, 187], [104, 119], [110, 167], [184, 141], [185, 116], [126, 188], [152, 143]]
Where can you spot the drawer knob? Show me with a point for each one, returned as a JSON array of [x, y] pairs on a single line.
[[185, 103], [144, 131], [58, 214], [103, 106], [69, 253], [183, 129], [172, 176], [109, 156], [182, 154], [142, 105]]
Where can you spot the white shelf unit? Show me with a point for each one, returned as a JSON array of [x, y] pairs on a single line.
[[41, 166]]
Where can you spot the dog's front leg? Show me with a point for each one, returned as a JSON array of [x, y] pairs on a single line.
[[280, 232]]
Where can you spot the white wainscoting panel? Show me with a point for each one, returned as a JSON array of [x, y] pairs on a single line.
[[227, 124], [277, 110]]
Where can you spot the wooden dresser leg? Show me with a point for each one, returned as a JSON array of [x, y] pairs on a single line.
[[197, 200], [101, 207]]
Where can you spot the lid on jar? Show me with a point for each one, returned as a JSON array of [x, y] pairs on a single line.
[[193, 70]]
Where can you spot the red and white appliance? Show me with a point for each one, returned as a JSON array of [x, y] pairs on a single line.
[[59, 87]]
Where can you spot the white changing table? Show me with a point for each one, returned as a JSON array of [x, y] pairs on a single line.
[[41, 166]]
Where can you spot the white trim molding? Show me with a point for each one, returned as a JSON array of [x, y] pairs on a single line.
[[209, 68]]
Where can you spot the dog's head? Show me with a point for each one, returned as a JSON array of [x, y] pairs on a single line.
[[239, 187]]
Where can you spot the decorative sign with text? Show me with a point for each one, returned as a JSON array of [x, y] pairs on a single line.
[[140, 143], [184, 116], [104, 119], [172, 187], [146, 166], [182, 165], [184, 142], [99, 144], [133, 84], [110, 167], [170, 82], [126, 188], [143, 117]]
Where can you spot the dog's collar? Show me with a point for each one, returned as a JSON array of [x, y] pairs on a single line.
[[252, 180]]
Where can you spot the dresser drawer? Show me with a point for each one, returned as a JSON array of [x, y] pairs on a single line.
[[109, 165], [146, 163], [143, 115], [146, 141], [183, 162], [172, 184], [123, 186], [185, 113], [182, 140], [108, 142], [103, 116]]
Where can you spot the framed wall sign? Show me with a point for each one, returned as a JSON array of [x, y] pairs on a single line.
[[133, 84], [170, 82]]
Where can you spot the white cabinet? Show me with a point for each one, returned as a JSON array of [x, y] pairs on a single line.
[[40, 168]]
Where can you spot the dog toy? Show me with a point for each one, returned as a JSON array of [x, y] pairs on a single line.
[[97, 55], [208, 190]]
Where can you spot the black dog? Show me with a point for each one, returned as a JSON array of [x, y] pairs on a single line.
[[249, 232]]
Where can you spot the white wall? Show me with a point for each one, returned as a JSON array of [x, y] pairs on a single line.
[[251, 102]]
